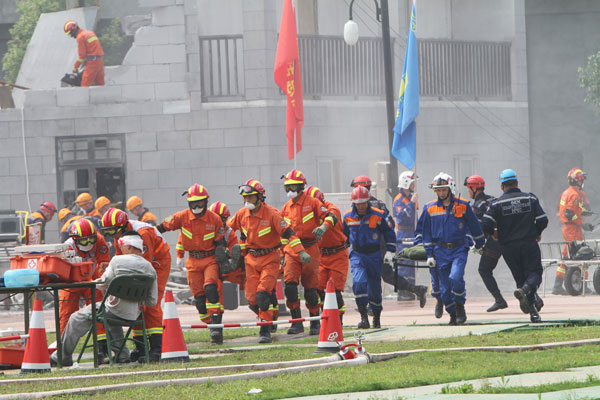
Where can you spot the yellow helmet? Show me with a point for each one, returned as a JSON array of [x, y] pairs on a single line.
[[101, 202], [83, 198], [133, 202]]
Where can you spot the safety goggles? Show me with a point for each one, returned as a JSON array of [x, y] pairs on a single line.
[[292, 188], [84, 241], [246, 190], [197, 203], [113, 230]]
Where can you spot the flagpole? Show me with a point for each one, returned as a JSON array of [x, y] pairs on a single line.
[[389, 97]]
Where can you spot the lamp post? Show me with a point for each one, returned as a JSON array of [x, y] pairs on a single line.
[[351, 37]]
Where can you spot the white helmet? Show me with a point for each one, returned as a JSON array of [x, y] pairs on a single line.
[[406, 179], [444, 180]]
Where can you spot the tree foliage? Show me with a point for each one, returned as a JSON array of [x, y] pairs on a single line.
[[29, 13], [589, 79], [114, 42]]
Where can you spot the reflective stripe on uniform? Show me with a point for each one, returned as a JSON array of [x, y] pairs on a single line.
[[186, 233], [92, 39], [295, 242], [265, 231], [209, 236], [308, 217]]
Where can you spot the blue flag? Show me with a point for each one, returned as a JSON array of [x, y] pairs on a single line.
[[404, 146]]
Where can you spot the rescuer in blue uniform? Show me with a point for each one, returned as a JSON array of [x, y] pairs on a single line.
[[404, 209], [364, 226], [491, 251], [520, 220], [446, 224]]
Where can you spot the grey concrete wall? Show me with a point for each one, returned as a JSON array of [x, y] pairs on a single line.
[[8, 12], [564, 129]]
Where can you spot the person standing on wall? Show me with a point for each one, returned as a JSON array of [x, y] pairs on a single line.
[[90, 52]]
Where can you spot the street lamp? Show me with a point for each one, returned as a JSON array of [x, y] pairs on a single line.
[[351, 37]]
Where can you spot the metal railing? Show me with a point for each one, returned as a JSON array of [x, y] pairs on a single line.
[[222, 67], [332, 68], [465, 70]]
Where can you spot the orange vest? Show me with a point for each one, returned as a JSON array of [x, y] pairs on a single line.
[[571, 199], [197, 233]]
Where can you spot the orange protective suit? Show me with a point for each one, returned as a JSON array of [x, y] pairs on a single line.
[[90, 50], [69, 299], [262, 233], [573, 202], [334, 256], [156, 251], [148, 217], [304, 214], [199, 236]]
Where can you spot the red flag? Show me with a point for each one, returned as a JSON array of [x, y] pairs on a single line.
[[287, 76]]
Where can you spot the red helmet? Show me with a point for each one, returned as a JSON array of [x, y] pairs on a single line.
[[221, 209], [360, 194], [474, 182], [361, 180], [70, 26], [294, 177], [114, 218], [315, 192], [576, 176], [197, 192], [82, 228], [49, 207], [252, 186]]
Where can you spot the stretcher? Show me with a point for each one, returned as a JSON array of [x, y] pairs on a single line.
[[402, 260], [578, 271]]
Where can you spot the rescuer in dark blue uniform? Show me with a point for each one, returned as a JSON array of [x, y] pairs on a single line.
[[491, 250], [520, 220], [364, 226], [447, 223]]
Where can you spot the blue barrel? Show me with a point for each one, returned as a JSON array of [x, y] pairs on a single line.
[[21, 277]]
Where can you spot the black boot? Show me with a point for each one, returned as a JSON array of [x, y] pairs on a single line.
[[461, 315], [376, 318], [216, 334], [421, 293], [539, 303], [102, 352], [297, 327], [439, 309], [315, 326], [342, 320], [264, 336], [138, 354], [364, 318], [534, 316], [521, 294], [155, 347], [274, 327], [453, 319], [499, 304], [558, 286]]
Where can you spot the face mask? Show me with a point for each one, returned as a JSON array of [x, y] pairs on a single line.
[[249, 206], [85, 248], [292, 195], [197, 210]]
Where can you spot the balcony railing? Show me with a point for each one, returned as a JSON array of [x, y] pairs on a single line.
[[465, 70], [222, 67], [455, 70]]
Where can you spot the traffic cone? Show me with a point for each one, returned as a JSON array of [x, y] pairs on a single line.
[[36, 357], [331, 328], [173, 345]]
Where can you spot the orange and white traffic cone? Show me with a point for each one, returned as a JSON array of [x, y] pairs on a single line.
[[173, 344], [36, 357], [331, 328]]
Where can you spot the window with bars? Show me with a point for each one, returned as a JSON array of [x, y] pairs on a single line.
[[92, 164]]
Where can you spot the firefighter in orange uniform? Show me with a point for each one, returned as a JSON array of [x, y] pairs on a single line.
[[334, 253], [304, 214], [156, 251], [203, 234], [85, 203], [102, 204], [262, 230], [43, 215], [573, 206], [66, 217], [90, 246], [136, 207], [89, 51]]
